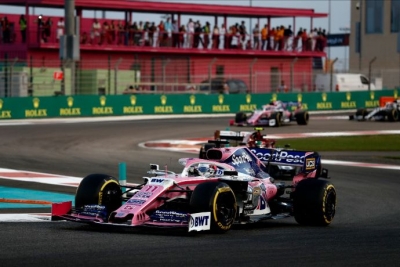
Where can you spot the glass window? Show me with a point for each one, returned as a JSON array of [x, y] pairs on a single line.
[[374, 16], [395, 16]]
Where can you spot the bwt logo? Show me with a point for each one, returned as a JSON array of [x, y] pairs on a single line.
[[279, 156], [157, 180], [199, 221]]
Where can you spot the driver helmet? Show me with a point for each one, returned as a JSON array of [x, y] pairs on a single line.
[[205, 169]]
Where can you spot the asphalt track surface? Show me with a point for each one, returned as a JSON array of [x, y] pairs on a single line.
[[365, 231]]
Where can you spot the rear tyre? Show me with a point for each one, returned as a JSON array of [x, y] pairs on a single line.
[[314, 202], [240, 117], [277, 117], [392, 115], [99, 189], [217, 198], [302, 117]]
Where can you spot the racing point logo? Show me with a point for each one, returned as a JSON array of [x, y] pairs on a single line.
[[133, 100], [348, 96], [70, 101], [192, 100], [324, 97], [36, 102], [163, 100], [248, 98], [103, 100]]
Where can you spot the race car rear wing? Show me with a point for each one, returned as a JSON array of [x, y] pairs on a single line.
[[230, 135], [308, 161]]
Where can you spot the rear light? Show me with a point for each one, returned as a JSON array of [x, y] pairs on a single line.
[[337, 88]]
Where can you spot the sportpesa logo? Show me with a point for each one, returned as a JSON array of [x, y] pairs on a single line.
[[279, 156]]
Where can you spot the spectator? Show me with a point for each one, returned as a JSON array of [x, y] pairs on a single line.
[[224, 36], [206, 35], [152, 30], [95, 34], [256, 37], [161, 33], [168, 33], [6, 31], [226, 89], [235, 38], [287, 34], [111, 31], [283, 88], [243, 33], [60, 29], [120, 33], [296, 39], [304, 37], [105, 33], [197, 38], [84, 38], [181, 36], [215, 38], [47, 29], [22, 28], [40, 24], [190, 33], [264, 37], [271, 39], [175, 34]]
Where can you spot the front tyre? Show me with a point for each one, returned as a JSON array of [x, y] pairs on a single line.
[[240, 117], [302, 117], [99, 189], [314, 202], [217, 198]]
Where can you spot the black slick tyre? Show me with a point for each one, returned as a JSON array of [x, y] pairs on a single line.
[[277, 117], [314, 202], [392, 115], [99, 189], [217, 198], [240, 117], [302, 117]]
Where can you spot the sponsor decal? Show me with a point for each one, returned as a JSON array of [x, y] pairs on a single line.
[[280, 156], [103, 109], [4, 114], [348, 103], [221, 107], [324, 104], [36, 112], [156, 181], [169, 216], [310, 164], [244, 158], [94, 210], [200, 221], [192, 108], [136, 202], [70, 110], [133, 109], [163, 108], [141, 194]]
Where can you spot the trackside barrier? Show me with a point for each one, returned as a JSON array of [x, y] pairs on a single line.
[[148, 104]]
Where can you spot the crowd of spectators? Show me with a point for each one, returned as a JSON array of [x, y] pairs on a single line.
[[169, 34]]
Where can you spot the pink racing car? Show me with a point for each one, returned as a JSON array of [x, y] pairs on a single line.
[[274, 114], [229, 187]]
